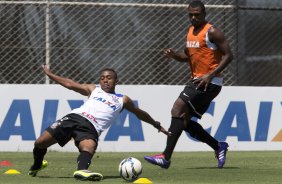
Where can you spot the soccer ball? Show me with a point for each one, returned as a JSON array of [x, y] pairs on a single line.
[[130, 169]]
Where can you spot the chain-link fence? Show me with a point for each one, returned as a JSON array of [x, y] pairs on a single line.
[[79, 38], [260, 43]]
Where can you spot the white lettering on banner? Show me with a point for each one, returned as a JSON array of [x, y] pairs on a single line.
[[247, 122]]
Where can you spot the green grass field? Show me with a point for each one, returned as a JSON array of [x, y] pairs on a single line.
[[187, 167]]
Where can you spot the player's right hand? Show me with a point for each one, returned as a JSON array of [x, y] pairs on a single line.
[[169, 53]]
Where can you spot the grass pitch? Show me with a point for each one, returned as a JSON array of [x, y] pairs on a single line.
[[187, 167]]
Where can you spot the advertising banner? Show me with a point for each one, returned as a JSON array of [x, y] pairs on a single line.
[[248, 118]]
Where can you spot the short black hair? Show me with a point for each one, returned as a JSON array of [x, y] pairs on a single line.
[[196, 4], [111, 70]]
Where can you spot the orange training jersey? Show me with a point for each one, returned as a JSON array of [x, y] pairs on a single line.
[[204, 55]]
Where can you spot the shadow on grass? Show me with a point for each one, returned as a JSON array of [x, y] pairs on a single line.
[[63, 177], [111, 177], [213, 168], [66, 177]]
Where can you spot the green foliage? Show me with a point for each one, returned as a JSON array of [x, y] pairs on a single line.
[[187, 167]]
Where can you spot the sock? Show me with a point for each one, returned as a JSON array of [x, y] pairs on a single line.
[[198, 132], [176, 128], [84, 160], [38, 155]]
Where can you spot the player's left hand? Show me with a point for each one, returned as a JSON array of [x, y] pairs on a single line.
[[161, 129], [165, 131]]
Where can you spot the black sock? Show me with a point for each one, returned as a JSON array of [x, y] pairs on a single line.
[[38, 155], [84, 160], [198, 132], [176, 128]]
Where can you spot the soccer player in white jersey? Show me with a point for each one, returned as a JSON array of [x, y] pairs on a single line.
[[87, 122]]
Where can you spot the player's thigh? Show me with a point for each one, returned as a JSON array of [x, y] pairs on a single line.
[[179, 109], [85, 136], [45, 140]]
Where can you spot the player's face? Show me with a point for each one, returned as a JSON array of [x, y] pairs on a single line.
[[196, 16], [108, 81]]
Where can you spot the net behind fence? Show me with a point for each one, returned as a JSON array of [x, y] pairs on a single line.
[[78, 39]]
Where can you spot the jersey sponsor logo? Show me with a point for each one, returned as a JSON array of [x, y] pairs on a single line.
[[108, 103], [89, 116], [193, 44]]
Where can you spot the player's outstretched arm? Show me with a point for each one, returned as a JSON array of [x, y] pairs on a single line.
[[143, 115], [84, 89], [176, 55]]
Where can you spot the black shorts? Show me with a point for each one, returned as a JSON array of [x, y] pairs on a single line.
[[199, 100], [72, 126]]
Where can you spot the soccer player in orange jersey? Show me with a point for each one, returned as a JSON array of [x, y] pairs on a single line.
[[208, 53]]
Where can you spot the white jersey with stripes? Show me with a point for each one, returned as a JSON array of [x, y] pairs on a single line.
[[101, 108]]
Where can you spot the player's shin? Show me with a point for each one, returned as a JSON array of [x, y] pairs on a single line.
[[38, 155], [84, 160], [198, 132], [176, 128]]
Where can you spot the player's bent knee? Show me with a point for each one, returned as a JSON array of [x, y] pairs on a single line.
[[88, 145], [40, 144], [178, 113]]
